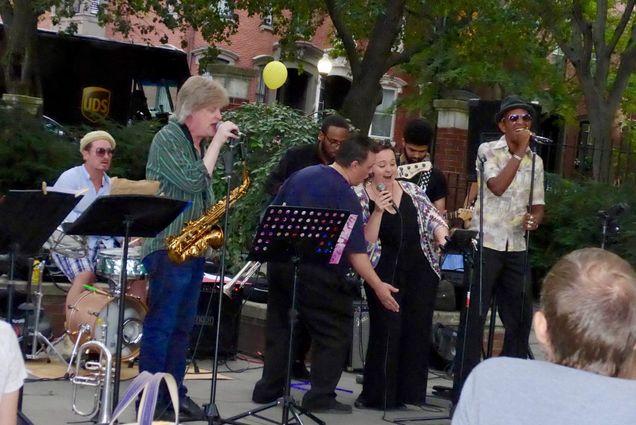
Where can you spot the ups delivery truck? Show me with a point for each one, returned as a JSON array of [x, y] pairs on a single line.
[[86, 78]]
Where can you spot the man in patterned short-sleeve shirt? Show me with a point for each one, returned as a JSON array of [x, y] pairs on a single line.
[[508, 171]]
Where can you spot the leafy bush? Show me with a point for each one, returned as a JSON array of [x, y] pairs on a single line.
[[572, 221], [270, 130], [29, 154]]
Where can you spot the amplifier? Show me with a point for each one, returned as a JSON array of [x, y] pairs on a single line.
[[205, 323], [360, 338]]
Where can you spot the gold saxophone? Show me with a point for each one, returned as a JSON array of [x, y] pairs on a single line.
[[198, 235]]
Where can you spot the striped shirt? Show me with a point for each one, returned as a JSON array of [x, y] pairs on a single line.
[[179, 168]]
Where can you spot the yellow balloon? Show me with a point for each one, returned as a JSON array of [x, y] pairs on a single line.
[[274, 75]]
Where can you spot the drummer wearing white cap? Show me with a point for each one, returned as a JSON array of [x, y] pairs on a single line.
[[90, 178]]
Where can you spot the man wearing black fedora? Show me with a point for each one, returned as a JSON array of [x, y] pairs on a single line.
[[508, 173]]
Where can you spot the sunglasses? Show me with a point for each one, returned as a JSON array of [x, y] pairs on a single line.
[[104, 151], [517, 117]]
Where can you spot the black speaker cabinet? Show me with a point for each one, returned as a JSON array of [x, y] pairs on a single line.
[[205, 323], [360, 339]]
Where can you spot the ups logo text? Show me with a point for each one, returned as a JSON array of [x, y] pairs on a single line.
[[95, 103]]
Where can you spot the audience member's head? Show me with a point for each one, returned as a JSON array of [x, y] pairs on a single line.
[[588, 313]]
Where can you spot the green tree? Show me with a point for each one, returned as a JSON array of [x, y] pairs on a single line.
[[374, 35], [19, 58], [598, 38], [492, 50]]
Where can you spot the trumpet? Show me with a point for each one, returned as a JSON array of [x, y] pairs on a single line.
[[100, 378], [245, 273]]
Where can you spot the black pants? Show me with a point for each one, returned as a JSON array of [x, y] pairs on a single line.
[[325, 303], [503, 277], [396, 367]]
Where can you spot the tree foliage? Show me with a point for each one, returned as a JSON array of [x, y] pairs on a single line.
[[270, 130], [19, 58], [374, 35], [573, 221], [598, 38], [490, 49]]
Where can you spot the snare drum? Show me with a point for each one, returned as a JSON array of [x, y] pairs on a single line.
[[96, 310], [109, 263]]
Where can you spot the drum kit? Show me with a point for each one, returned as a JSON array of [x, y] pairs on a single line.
[[99, 308], [92, 321], [94, 315]]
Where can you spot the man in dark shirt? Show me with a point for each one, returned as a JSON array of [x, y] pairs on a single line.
[[333, 131], [324, 297], [417, 138]]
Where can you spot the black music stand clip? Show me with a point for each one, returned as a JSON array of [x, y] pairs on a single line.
[[298, 235], [127, 216]]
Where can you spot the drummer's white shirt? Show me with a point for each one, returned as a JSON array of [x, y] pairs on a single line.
[[75, 180]]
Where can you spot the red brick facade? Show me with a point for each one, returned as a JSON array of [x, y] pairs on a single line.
[[450, 149]]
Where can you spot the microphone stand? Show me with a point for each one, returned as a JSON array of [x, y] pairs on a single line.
[[526, 259], [211, 410], [458, 379]]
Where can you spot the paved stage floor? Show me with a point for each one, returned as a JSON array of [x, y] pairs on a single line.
[[49, 401]]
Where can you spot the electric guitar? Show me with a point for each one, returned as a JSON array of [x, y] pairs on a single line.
[[465, 214], [407, 171]]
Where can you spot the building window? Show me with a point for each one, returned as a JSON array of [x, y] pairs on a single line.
[[159, 96], [383, 118], [261, 90], [267, 20], [225, 11], [93, 6]]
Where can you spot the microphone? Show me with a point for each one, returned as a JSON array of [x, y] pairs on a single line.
[[391, 208], [239, 134], [541, 140]]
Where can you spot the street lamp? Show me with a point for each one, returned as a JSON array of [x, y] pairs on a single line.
[[324, 68]]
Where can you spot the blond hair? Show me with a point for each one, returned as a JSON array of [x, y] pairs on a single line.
[[589, 301], [196, 93]]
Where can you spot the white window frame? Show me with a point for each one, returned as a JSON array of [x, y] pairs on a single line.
[[385, 111]]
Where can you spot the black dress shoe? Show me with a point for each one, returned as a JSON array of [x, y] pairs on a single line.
[[363, 404], [333, 407], [189, 411], [299, 371], [164, 413], [265, 398]]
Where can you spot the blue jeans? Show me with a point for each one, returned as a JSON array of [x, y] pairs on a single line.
[[173, 301]]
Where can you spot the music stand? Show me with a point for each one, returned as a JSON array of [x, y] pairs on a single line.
[[127, 216], [298, 234], [27, 219]]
